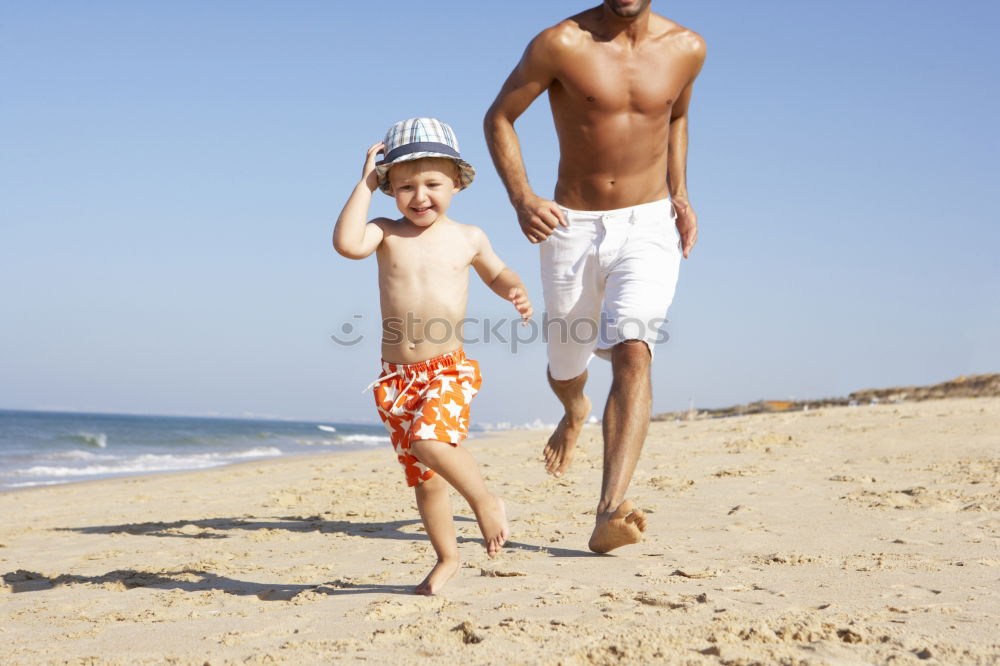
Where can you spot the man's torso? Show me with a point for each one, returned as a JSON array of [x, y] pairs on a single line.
[[612, 103]]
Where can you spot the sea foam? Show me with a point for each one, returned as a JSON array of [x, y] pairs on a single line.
[[98, 439], [367, 440], [150, 463]]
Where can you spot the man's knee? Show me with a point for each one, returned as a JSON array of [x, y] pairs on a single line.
[[631, 356], [565, 383]]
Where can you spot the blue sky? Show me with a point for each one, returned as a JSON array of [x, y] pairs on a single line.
[[171, 172]]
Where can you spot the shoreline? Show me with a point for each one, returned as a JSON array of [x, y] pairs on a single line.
[[674, 418], [131, 477], [839, 535], [52, 448], [127, 477]]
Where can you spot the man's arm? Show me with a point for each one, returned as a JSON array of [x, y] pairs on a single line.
[[532, 76], [687, 219], [352, 237]]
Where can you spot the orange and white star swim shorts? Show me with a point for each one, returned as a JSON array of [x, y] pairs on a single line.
[[426, 400]]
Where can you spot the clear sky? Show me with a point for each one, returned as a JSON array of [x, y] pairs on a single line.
[[170, 174]]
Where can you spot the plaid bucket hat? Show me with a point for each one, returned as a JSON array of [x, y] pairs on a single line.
[[421, 137]]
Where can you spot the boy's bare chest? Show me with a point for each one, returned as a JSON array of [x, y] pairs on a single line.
[[436, 259]]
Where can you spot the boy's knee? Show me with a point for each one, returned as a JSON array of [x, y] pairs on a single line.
[[434, 484], [426, 450], [417, 450]]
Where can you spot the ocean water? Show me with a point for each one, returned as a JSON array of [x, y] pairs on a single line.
[[44, 448]]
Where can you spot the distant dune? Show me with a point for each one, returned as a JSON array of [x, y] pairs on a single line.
[[971, 386]]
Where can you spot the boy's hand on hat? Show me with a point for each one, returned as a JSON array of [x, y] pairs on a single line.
[[368, 175], [538, 217], [519, 298]]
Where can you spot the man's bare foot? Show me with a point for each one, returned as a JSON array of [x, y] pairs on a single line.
[[559, 450], [438, 576], [493, 525], [617, 528]]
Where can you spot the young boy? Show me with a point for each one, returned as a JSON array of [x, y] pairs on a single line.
[[427, 383]]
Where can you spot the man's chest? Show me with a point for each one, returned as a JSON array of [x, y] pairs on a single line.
[[606, 80]]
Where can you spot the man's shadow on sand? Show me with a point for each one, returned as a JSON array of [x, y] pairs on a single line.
[[214, 528], [195, 580]]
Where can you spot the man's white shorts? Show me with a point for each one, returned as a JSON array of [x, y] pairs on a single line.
[[608, 277]]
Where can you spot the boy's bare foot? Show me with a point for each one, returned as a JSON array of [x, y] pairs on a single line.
[[617, 528], [559, 450], [493, 525], [438, 576]]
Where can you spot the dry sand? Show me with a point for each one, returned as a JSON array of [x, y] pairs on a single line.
[[838, 536]]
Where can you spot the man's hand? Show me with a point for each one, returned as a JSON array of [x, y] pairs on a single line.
[[368, 175], [538, 217], [687, 225], [519, 297]]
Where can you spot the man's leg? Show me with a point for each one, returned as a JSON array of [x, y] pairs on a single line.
[[574, 294], [576, 406], [626, 421]]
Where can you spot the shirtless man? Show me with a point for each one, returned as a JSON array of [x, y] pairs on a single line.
[[619, 79]]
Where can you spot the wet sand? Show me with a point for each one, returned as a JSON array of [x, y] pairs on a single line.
[[835, 536]]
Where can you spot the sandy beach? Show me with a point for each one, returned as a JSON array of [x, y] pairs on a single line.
[[834, 536]]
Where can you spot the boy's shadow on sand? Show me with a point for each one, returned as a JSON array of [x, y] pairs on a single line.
[[193, 580], [214, 528]]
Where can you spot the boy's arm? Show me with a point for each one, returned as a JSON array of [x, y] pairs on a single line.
[[504, 282], [352, 237]]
